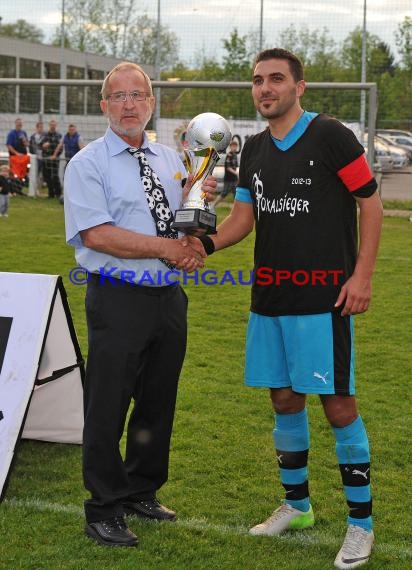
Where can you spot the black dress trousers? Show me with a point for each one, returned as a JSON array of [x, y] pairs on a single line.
[[137, 343]]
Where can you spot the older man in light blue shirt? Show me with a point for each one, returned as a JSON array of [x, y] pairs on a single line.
[[115, 196], [137, 331]]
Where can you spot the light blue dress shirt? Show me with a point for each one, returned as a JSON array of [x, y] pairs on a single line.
[[102, 185]]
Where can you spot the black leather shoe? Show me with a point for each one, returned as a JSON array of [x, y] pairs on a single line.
[[111, 532], [149, 509]]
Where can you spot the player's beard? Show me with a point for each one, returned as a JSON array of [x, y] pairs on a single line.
[[281, 107]]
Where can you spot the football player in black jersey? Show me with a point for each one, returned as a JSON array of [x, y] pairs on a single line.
[[301, 182]]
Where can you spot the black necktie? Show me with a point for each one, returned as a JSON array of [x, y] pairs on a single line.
[[156, 198]]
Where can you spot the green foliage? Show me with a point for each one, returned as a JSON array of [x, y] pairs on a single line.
[[236, 61], [382, 60], [379, 59], [186, 103], [22, 30], [323, 61], [83, 24], [316, 49], [395, 99], [118, 28], [222, 471], [397, 204], [121, 28], [144, 38], [404, 42]]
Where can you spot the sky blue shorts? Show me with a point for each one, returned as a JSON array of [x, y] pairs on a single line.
[[312, 354]]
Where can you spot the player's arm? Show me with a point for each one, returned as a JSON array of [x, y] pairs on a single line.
[[356, 293], [126, 244], [236, 226]]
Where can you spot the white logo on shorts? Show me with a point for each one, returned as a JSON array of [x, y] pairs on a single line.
[[321, 377]]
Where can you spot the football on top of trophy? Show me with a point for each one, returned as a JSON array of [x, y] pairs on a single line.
[[208, 130]]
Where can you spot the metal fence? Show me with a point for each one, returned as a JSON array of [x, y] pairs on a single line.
[[167, 131]]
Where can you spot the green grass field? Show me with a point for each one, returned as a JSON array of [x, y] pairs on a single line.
[[223, 476]]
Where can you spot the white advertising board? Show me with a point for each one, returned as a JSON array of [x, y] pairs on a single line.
[[41, 367]]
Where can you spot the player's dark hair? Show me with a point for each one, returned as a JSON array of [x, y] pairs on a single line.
[[295, 65]]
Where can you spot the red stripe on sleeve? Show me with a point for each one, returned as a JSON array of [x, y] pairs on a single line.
[[356, 174]]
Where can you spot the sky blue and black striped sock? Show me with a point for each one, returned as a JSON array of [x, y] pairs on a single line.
[[291, 438], [352, 450]]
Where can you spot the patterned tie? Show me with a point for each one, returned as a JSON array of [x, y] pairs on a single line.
[[156, 198]]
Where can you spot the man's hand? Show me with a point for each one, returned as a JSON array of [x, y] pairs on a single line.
[[186, 253], [356, 293], [355, 296]]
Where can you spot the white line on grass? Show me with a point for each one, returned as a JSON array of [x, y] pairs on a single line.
[[302, 538], [40, 505]]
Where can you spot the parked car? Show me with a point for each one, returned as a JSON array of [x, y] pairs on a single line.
[[401, 141], [399, 156], [393, 132], [383, 161]]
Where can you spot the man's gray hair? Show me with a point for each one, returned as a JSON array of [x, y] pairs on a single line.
[[120, 67]]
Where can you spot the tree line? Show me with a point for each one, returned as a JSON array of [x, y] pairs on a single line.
[[116, 28]]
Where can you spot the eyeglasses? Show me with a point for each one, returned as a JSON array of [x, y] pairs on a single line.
[[121, 96]]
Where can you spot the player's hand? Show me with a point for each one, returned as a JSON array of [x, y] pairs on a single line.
[[186, 253], [195, 244], [355, 296]]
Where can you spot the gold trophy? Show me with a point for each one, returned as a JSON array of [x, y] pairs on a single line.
[[207, 135]]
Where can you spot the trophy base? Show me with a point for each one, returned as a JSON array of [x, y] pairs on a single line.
[[195, 222]]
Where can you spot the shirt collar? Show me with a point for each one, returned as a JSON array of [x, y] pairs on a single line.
[[117, 145]]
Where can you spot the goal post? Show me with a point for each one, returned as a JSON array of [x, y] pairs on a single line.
[[363, 87]]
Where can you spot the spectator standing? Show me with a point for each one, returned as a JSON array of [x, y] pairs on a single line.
[[6, 188], [72, 142], [51, 151], [35, 146], [230, 177], [17, 141]]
